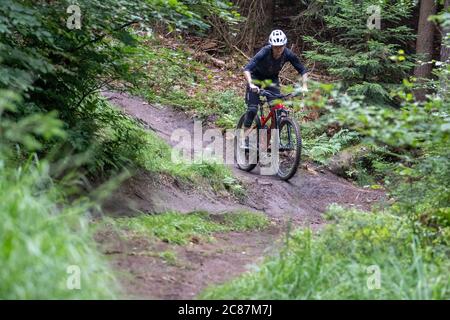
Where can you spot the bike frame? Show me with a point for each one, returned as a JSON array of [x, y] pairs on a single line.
[[277, 113], [271, 116], [274, 120], [274, 124]]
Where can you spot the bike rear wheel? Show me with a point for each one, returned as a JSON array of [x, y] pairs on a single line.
[[290, 147], [246, 159]]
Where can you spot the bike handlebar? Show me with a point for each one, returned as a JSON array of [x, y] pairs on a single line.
[[269, 94]]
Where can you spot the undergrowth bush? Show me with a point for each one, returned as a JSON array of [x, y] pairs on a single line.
[[42, 234], [186, 85], [339, 263]]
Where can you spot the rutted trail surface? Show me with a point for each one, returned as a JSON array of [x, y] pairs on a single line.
[[301, 201]]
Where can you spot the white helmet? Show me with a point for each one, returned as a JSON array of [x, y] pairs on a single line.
[[277, 38]]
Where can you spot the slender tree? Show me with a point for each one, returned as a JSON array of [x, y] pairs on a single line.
[[424, 43], [445, 48], [259, 21]]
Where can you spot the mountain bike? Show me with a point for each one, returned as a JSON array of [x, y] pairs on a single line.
[[286, 138]]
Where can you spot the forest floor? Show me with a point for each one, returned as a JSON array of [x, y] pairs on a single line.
[[146, 274]]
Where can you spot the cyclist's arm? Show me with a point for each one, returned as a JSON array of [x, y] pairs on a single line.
[[252, 65], [295, 61], [248, 76], [305, 81]]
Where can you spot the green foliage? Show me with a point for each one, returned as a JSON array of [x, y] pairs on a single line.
[[186, 85], [232, 184], [41, 234], [111, 139], [370, 167], [60, 69], [178, 228], [203, 9], [41, 237], [360, 56], [228, 105], [183, 14], [417, 137], [114, 140], [169, 256], [243, 221], [27, 131], [333, 264], [218, 175], [321, 148]]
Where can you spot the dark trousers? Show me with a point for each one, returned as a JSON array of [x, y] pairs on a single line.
[[252, 99]]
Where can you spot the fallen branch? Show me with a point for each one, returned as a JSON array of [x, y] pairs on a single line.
[[241, 52]]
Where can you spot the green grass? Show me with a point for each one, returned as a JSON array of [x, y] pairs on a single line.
[[169, 257], [243, 221], [41, 236], [334, 264], [116, 141], [121, 136], [180, 229]]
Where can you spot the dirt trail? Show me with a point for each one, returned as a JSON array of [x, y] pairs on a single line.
[[301, 201], [144, 275], [304, 197]]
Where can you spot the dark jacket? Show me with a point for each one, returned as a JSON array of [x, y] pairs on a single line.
[[263, 66]]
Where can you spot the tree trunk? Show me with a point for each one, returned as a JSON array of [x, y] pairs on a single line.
[[424, 44], [445, 49], [445, 54], [259, 14]]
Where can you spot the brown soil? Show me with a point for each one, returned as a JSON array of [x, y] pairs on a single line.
[[301, 201], [145, 275]]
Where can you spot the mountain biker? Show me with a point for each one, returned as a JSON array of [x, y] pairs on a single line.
[[266, 65]]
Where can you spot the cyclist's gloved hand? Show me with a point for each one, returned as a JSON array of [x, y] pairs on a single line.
[[253, 87], [298, 91]]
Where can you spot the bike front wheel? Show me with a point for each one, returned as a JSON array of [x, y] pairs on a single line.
[[290, 148], [247, 158]]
